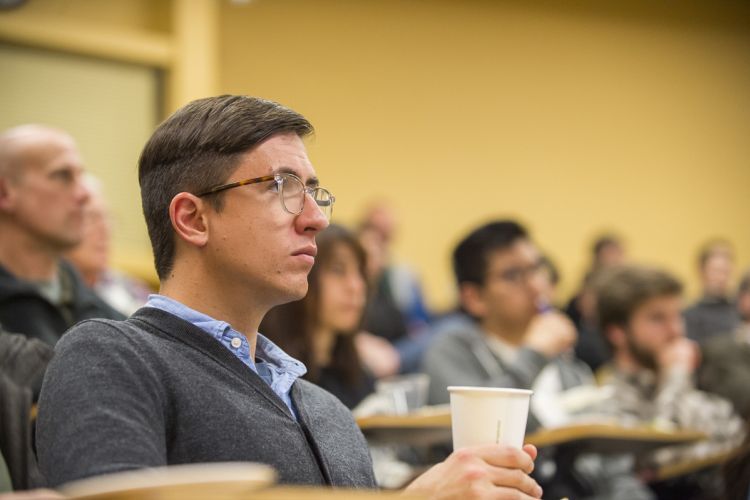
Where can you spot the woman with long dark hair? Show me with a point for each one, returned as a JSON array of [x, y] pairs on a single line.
[[319, 330]]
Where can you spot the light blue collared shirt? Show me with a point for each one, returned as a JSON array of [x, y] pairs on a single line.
[[277, 369]]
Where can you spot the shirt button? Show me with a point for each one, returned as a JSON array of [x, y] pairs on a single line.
[[236, 343]]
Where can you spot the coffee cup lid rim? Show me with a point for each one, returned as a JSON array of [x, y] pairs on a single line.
[[519, 392]]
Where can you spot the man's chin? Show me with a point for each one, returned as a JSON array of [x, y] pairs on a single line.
[[293, 294], [65, 244]]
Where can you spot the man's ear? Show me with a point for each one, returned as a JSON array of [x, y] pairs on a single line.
[[472, 299], [187, 213], [7, 194]]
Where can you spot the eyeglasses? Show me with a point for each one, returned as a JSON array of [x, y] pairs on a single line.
[[519, 275], [291, 190]]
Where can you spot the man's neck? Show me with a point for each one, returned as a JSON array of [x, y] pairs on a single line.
[[625, 363], [202, 293], [714, 296], [514, 336], [25, 258]]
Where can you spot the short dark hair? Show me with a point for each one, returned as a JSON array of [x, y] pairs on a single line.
[[622, 289], [197, 148], [470, 258]]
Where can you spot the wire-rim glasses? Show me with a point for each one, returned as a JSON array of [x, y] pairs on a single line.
[[292, 192]]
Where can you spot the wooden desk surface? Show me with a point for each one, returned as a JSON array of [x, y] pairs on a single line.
[[685, 467], [299, 493], [434, 423]]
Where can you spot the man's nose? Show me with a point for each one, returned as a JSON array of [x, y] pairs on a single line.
[[82, 193], [312, 217], [677, 327], [535, 281]]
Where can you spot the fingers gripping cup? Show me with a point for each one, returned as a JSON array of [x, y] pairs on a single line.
[[486, 415]]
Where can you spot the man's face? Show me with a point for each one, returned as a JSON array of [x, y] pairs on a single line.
[[46, 199], [610, 255], [717, 275], [653, 326], [513, 287], [91, 255], [254, 245]]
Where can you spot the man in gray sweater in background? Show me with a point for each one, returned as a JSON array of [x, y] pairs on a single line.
[[188, 378]]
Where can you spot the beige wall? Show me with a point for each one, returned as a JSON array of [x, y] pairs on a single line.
[[573, 117], [108, 107], [108, 72]]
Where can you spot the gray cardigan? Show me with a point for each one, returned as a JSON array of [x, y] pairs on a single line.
[[155, 390]]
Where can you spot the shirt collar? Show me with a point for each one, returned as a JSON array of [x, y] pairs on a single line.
[[265, 349]]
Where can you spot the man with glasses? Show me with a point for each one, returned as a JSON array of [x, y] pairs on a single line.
[[513, 334], [232, 205], [512, 337], [42, 203]]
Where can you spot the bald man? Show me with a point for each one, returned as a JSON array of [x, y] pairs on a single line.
[[41, 216]]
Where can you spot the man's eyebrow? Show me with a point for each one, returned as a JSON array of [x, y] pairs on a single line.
[[312, 181]]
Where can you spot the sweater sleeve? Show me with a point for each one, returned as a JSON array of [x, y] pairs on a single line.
[[101, 408]]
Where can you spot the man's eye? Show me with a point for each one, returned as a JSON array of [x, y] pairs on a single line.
[[63, 176], [512, 274]]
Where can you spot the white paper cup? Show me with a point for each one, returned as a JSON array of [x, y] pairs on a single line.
[[487, 415]]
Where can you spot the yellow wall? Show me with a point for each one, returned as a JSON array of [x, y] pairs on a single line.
[[110, 109], [575, 116], [106, 72], [571, 116], [149, 15]]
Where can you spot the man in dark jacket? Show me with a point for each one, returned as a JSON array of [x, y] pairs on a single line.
[[41, 216]]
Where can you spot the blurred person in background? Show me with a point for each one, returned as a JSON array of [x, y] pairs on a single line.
[[607, 251], [513, 338], [319, 330], [42, 200], [507, 342], [737, 472], [639, 310], [714, 313], [551, 278], [91, 256], [395, 309], [725, 369]]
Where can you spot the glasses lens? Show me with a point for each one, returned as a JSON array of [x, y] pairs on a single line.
[[324, 200], [292, 194]]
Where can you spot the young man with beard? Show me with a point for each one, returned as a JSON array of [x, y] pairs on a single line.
[[639, 312]]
